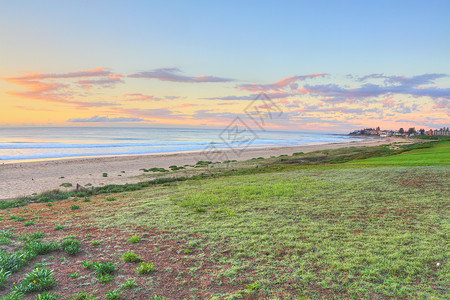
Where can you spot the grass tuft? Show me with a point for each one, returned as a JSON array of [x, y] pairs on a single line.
[[70, 245], [113, 294], [130, 257], [40, 279], [145, 268], [134, 239], [129, 284]]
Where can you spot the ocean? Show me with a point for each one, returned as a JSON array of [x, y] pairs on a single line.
[[40, 143]]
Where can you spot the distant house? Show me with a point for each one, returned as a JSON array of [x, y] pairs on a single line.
[[441, 132], [412, 132]]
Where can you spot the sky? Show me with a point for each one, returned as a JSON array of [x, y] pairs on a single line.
[[332, 66]]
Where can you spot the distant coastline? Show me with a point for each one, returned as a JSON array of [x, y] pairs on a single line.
[[401, 132]]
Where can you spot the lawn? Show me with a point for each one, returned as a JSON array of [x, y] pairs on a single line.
[[374, 228], [436, 156]]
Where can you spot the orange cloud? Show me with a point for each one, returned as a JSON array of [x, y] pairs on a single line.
[[58, 92], [38, 90]]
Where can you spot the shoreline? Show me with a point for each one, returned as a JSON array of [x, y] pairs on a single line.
[[25, 178]]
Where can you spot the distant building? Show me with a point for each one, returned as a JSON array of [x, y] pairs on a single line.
[[441, 132], [412, 132]]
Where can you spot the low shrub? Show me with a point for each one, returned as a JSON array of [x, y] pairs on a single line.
[[162, 170], [11, 204]]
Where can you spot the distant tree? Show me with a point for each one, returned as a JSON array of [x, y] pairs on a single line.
[[411, 130], [422, 131], [378, 128], [401, 130]]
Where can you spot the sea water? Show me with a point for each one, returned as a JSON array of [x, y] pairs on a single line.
[[37, 143]]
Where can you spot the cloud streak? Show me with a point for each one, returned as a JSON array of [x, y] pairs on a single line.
[[88, 73], [109, 81], [271, 95], [97, 119], [288, 81], [142, 97], [172, 74]]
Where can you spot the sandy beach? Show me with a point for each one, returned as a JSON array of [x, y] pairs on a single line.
[[26, 178]]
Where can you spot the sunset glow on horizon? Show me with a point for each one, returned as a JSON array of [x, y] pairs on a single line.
[[327, 66]]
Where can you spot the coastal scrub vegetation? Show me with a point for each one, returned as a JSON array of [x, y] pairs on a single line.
[[353, 223]]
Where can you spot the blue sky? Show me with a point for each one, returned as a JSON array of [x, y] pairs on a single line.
[[248, 41]]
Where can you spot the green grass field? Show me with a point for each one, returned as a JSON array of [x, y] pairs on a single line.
[[436, 156], [348, 223], [359, 232]]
